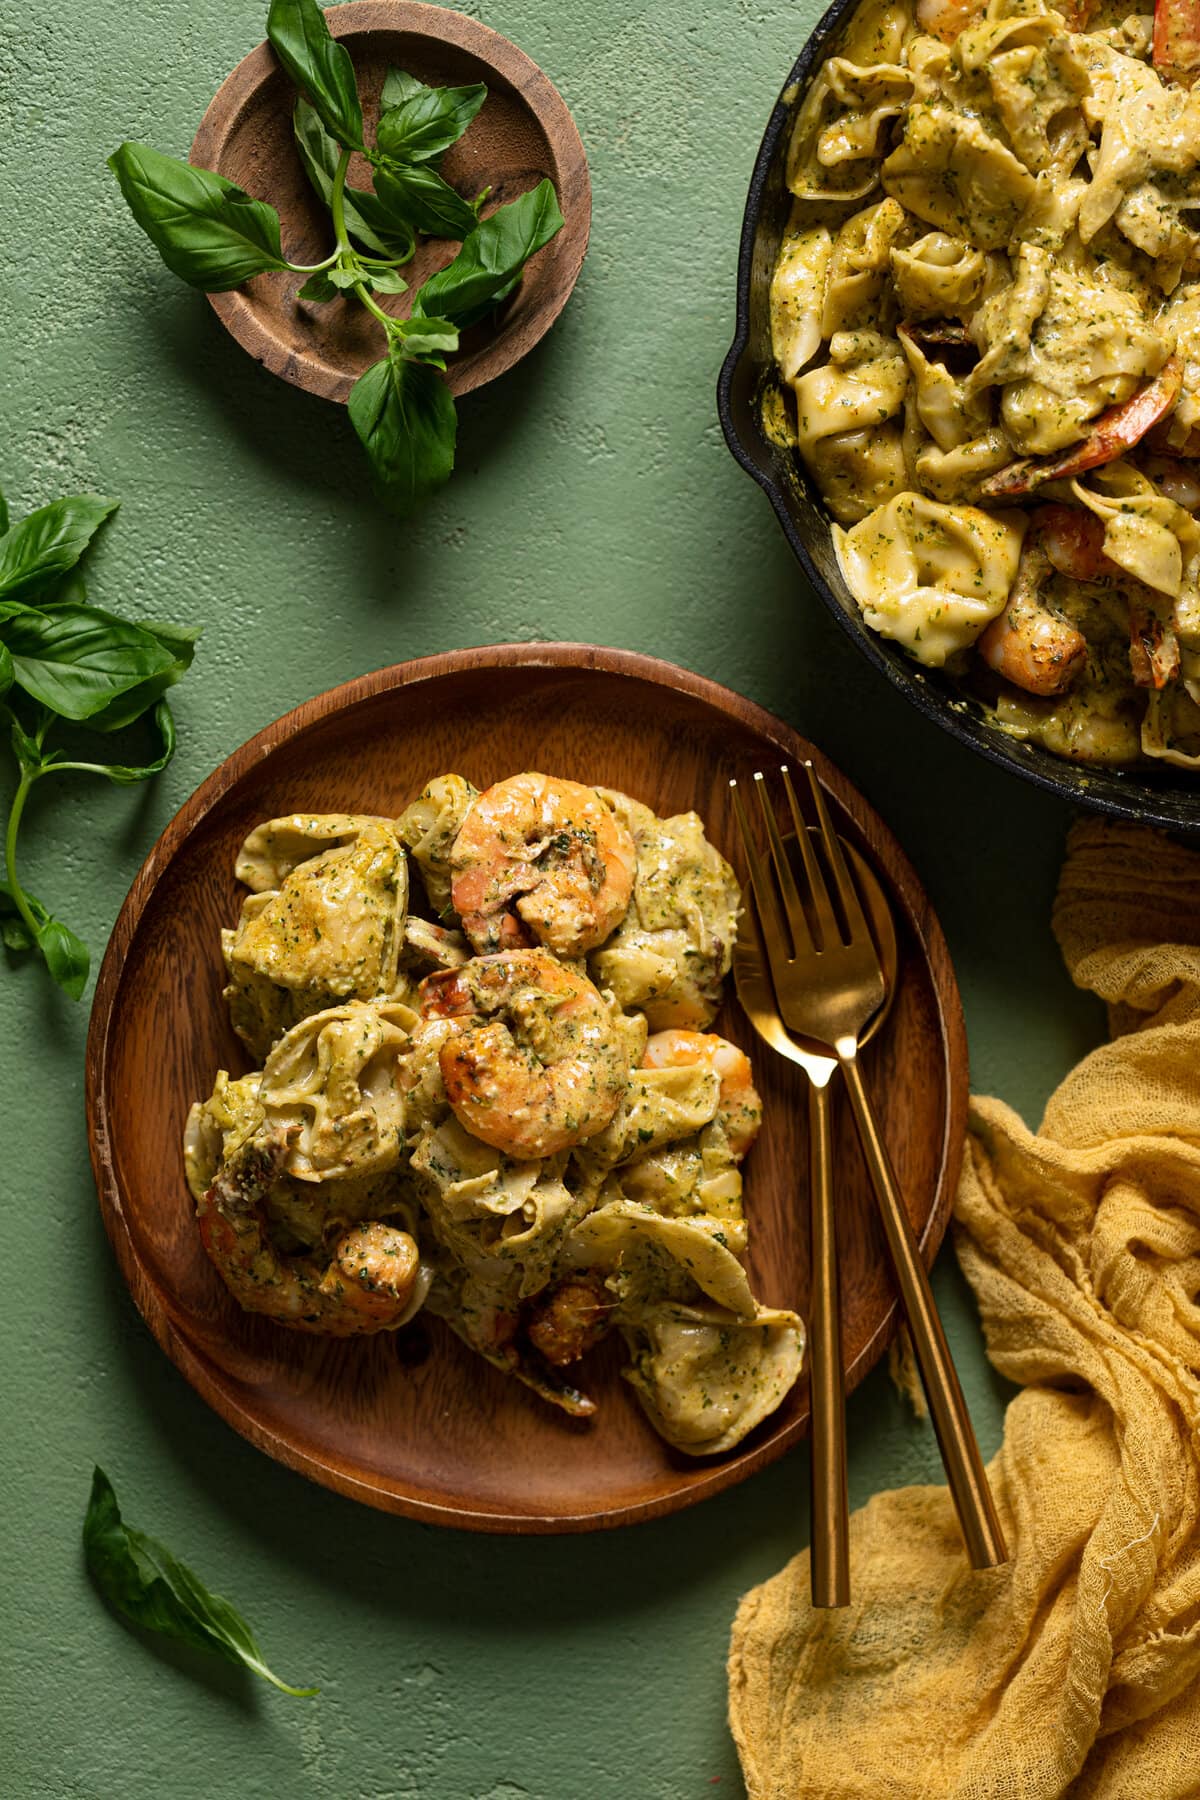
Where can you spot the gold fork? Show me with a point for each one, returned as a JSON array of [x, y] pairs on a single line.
[[828, 985], [829, 1559]]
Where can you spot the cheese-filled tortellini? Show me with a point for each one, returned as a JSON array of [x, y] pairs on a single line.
[[930, 576], [708, 1362], [707, 1378], [798, 298], [312, 1142], [429, 827], [317, 927], [670, 954], [332, 1087], [938, 277], [986, 313]]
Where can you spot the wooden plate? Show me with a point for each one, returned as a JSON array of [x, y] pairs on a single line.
[[413, 1422], [524, 132]]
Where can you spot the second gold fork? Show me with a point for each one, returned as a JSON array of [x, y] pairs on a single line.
[[828, 983]]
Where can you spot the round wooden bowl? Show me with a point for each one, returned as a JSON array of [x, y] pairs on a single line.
[[523, 133], [412, 1421]]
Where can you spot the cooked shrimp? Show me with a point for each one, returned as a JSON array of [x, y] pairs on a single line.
[[1178, 480], [367, 1285], [537, 1063], [1154, 656], [738, 1106], [1109, 436], [1031, 646], [568, 1320], [539, 860], [948, 19]]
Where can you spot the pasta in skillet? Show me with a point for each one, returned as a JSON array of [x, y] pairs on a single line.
[[986, 310], [512, 1116]]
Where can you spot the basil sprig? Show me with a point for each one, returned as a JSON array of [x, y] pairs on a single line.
[[141, 1579], [63, 661], [215, 236]]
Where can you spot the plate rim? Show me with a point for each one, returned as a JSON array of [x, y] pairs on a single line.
[[155, 1307]]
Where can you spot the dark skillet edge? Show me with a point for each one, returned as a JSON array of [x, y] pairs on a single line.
[[1144, 798]]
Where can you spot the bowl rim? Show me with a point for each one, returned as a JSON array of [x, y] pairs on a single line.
[[1109, 790], [155, 1308], [362, 18]]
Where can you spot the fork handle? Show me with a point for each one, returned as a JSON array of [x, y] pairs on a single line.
[[956, 1438], [830, 1557]]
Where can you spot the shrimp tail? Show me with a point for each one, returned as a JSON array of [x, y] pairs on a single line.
[[1154, 656]]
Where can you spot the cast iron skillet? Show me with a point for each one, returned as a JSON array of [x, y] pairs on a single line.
[[1155, 798]]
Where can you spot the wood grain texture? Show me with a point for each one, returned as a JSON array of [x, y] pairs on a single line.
[[523, 133], [413, 1422]]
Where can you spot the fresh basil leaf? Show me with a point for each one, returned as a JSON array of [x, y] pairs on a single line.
[[127, 774], [404, 414], [130, 706], [319, 66], [387, 281], [318, 289], [427, 339], [48, 542], [180, 640], [70, 591], [491, 257], [399, 86], [415, 195], [140, 1578], [207, 231], [77, 660], [6, 668], [366, 218], [66, 957], [427, 123], [25, 748], [8, 903], [345, 278], [14, 932], [181, 646], [3, 513]]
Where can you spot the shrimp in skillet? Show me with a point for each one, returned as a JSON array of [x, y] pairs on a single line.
[[366, 1285], [738, 1106], [536, 1062], [541, 860], [1029, 644]]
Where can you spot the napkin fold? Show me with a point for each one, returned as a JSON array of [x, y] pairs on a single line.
[[1074, 1669]]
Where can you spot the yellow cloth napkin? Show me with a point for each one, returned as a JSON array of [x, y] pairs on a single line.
[[1074, 1670]]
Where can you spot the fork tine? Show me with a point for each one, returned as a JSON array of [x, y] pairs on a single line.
[[847, 892], [770, 921], [793, 906], [827, 919]]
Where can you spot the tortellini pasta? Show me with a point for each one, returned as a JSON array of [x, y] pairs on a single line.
[[669, 956], [986, 313], [429, 827], [930, 576], [708, 1361], [324, 921]]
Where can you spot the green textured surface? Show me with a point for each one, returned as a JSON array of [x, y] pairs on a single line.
[[595, 499]]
